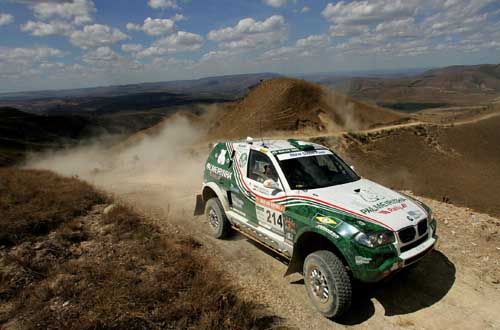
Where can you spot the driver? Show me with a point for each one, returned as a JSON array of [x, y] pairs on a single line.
[[270, 173]]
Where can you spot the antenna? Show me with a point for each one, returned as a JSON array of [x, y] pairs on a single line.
[[261, 136]]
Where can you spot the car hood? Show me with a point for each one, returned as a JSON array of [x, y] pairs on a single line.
[[372, 202]]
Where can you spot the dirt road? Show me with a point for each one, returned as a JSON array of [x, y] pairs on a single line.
[[456, 287]]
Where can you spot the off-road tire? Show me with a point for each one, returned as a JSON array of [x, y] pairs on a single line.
[[334, 273], [223, 227]]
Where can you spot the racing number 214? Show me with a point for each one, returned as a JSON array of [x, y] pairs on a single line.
[[274, 221]]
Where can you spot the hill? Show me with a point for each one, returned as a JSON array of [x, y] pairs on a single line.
[[132, 97], [449, 86], [22, 132], [71, 260], [292, 105]]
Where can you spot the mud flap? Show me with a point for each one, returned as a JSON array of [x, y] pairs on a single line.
[[295, 265], [199, 208]]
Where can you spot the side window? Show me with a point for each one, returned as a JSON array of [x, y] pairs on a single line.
[[260, 167]]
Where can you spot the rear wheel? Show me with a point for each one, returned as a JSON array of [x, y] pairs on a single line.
[[327, 283], [221, 228]]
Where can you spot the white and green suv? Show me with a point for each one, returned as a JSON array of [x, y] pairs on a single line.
[[304, 202]]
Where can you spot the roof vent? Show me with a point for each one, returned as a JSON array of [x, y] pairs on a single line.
[[301, 145]]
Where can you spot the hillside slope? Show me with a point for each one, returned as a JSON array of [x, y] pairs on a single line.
[[69, 262], [454, 85], [284, 105]]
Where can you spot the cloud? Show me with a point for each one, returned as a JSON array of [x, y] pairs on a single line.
[[19, 62], [275, 3], [399, 28], [309, 46], [341, 30], [132, 48], [457, 16], [249, 33], [178, 42], [410, 27], [163, 4], [102, 56], [96, 35], [156, 26], [6, 19], [160, 63], [35, 54], [367, 12], [305, 9], [78, 11], [41, 29]]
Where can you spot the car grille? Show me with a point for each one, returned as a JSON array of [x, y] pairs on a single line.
[[407, 234], [414, 244], [422, 227]]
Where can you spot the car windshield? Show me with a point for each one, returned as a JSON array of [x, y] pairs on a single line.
[[316, 171]]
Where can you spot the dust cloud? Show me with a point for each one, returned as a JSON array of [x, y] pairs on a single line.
[[164, 165], [347, 118]]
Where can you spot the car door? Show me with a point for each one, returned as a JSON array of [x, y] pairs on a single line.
[[268, 210], [242, 201]]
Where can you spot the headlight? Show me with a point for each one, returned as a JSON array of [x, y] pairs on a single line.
[[373, 240]]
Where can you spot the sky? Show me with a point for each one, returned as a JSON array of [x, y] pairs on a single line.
[[59, 44]]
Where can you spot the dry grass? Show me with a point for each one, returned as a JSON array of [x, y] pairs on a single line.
[[34, 202], [116, 271]]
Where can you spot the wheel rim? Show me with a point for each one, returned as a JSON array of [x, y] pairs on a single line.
[[213, 219], [319, 285]]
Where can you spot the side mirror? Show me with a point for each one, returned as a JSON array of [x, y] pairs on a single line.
[[271, 184]]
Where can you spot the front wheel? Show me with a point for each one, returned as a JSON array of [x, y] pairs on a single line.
[[327, 283], [221, 228]]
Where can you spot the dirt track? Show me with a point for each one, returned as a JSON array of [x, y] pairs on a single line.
[[456, 286]]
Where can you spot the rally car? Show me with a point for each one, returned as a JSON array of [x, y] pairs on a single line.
[[304, 202]]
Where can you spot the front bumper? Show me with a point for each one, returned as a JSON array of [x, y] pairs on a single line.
[[367, 273]]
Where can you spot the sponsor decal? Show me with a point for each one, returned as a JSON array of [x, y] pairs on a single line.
[[221, 159], [270, 204], [394, 209], [233, 188], [327, 220], [413, 215], [237, 202], [330, 232], [283, 151], [289, 224], [218, 172], [289, 228], [243, 160], [381, 205], [360, 260], [369, 195], [269, 214], [298, 154]]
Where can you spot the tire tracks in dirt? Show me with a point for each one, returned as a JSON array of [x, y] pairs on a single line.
[[440, 293]]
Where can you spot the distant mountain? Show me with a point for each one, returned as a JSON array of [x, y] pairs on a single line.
[[454, 85], [135, 97], [233, 86]]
